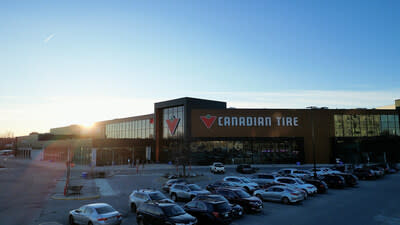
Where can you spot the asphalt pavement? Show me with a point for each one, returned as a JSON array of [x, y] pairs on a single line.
[[28, 191]]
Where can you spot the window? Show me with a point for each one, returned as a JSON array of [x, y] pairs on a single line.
[[201, 206], [338, 119]]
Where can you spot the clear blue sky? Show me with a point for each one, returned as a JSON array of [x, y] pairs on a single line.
[[70, 62]]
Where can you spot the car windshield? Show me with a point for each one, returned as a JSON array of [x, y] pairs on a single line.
[[194, 187], [173, 210], [218, 165], [242, 194], [104, 209], [157, 196]]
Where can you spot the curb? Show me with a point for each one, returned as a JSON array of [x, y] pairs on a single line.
[[62, 197]]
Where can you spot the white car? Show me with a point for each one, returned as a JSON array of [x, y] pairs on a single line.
[[282, 194], [298, 183], [243, 182], [295, 172], [217, 168], [323, 171]]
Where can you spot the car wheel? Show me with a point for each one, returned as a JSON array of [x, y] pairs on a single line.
[[174, 197], [247, 189], [259, 196], [285, 200], [133, 207], [71, 220], [90, 223], [191, 197]]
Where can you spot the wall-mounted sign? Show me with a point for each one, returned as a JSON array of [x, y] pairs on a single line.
[[173, 124], [249, 121]]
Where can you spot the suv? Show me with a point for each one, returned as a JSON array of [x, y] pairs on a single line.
[[186, 191], [138, 197], [242, 198], [245, 168], [242, 182], [163, 213], [263, 179], [210, 211], [217, 168]]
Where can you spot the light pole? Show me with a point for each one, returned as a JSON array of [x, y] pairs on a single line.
[[313, 139]]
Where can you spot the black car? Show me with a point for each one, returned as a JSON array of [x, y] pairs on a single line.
[[210, 211], [242, 198], [237, 210], [246, 169], [321, 186], [349, 179], [333, 180], [221, 184], [163, 213], [364, 173]]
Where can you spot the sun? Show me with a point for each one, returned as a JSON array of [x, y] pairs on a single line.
[[88, 125]]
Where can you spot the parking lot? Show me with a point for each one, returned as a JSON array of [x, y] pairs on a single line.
[[371, 202]]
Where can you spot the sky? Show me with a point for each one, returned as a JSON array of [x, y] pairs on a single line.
[[78, 62]]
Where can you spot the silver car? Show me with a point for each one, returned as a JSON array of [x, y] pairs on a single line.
[[186, 191], [282, 194], [95, 214], [138, 197]]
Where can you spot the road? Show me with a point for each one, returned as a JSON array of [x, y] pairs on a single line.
[[372, 203], [24, 190]]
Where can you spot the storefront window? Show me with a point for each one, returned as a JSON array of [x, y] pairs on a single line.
[[175, 116], [366, 125]]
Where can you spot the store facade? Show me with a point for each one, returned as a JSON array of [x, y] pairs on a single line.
[[203, 131]]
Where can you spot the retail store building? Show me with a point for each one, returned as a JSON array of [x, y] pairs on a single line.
[[204, 131]]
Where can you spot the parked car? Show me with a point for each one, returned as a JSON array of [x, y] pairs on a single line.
[[94, 214], [295, 172], [242, 198], [378, 171], [163, 213], [305, 195], [221, 184], [138, 197], [246, 169], [333, 180], [186, 191], [237, 210], [298, 183], [321, 186], [210, 211], [321, 171], [217, 168], [282, 194], [167, 185], [263, 179], [349, 179], [364, 173], [243, 182]]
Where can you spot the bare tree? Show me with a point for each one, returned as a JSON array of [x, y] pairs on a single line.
[[7, 134]]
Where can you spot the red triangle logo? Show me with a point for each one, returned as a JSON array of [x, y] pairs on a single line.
[[173, 124], [208, 120]]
